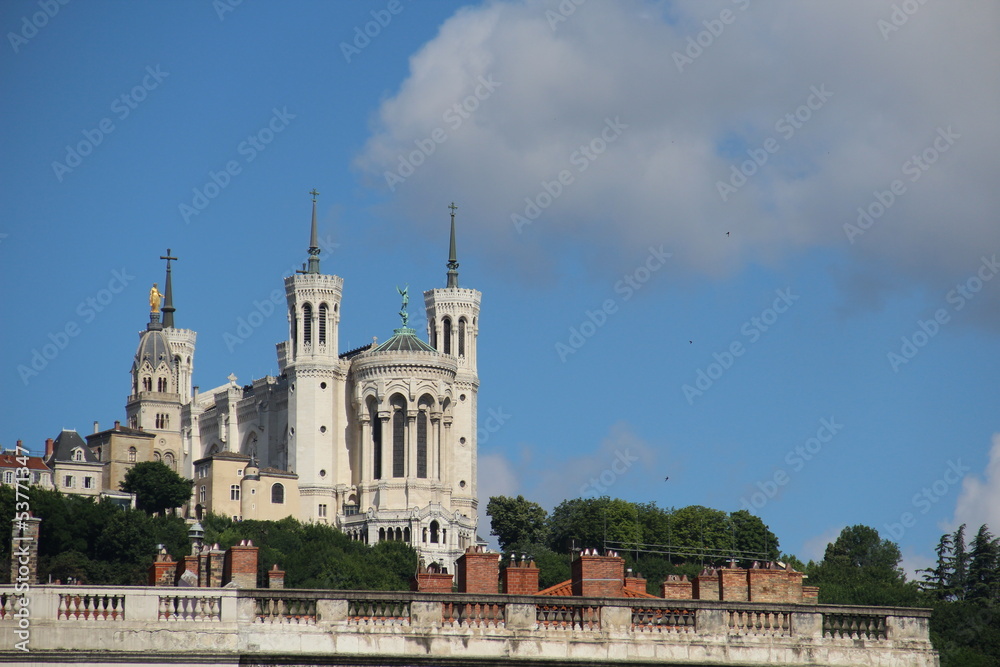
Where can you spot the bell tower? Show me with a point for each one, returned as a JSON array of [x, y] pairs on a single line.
[[453, 327], [316, 378]]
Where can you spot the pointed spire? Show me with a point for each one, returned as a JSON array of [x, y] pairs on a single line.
[[452, 257], [313, 240], [168, 295]]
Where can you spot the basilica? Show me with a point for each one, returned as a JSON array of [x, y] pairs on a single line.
[[379, 441]]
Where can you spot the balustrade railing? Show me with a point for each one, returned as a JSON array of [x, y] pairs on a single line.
[[760, 622], [286, 609], [91, 607], [190, 608], [473, 614], [854, 626], [663, 620], [568, 616], [378, 612]]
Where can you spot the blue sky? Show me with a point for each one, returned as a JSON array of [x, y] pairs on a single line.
[[659, 201]]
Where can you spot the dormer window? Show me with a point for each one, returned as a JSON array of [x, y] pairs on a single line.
[[77, 454]]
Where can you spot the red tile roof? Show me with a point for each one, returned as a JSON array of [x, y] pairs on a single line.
[[565, 589], [9, 460]]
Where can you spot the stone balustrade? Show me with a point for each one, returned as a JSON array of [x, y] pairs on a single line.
[[101, 625]]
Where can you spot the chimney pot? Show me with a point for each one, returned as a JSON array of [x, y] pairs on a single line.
[[49, 446], [118, 425], [96, 427]]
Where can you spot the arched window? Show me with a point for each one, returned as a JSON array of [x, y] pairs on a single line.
[[77, 454], [446, 325], [461, 337], [168, 459], [434, 337], [406, 535], [434, 532], [295, 331], [177, 372], [423, 423], [398, 436], [322, 324], [157, 457], [307, 323], [381, 534], [161, 384], [147, 383], [278, 494], [376, 426], [132, 453]]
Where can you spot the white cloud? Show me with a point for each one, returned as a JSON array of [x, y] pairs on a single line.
[[979, 501], [656, 183]]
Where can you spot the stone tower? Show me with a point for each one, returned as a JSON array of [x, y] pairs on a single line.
[[316, 378], [453, 327], [161, 377]]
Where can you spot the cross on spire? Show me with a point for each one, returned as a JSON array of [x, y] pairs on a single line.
[[168, 296], [314, 192]]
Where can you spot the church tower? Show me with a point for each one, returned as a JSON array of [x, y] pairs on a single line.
[[453, 327], [316, 383], [161, 377]]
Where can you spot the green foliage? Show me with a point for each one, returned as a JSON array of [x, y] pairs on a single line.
[[692, 533], [966, 634], [156, 487], [316, 555], [860, 568], [516, 520], [93, 542]]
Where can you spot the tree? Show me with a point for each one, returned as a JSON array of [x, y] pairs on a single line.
[[960, 564], [516, 521], [156, 487], [984, 576], [937, 579], [861, 568]]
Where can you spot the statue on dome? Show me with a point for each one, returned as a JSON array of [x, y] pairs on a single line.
[[155, 298], [405, 293]]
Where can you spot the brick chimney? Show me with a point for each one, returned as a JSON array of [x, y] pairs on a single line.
[[598, 576], [635, 583], [733, 584], [676, 587], [162, 571], [478, 571], [768, 584], [706, 585], [240, 565], [50, 447], [520, 577], [431, 580], [118, 425], [275, 578]]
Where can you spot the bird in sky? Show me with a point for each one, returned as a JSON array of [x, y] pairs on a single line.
[[727, 233], [665, 478]]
